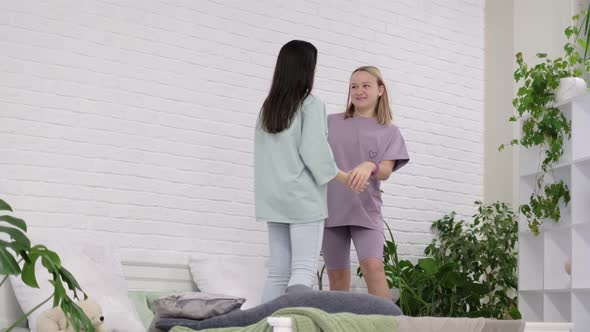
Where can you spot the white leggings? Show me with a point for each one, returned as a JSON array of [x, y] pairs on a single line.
[[294, 251]]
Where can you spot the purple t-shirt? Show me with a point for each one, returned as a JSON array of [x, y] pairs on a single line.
[[353, 141]]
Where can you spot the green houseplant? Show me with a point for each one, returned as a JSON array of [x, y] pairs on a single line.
[[18, 257], [543, 124], [484, 249], [470, 269]]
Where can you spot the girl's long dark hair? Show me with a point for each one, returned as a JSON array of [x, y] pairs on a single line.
[[291, 84]]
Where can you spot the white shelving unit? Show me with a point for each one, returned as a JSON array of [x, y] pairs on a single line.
[[546, 292]]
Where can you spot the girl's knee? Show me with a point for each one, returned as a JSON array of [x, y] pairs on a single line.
[[372, 266], [339, 273]]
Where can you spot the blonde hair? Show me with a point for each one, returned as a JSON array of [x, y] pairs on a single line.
[[384, 114]]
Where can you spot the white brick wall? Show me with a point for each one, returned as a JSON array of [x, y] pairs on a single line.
[[134, 119]]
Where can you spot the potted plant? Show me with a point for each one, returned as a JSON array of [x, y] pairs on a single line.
[[470, 268], [19, 257], [577, 35], [543, 87]]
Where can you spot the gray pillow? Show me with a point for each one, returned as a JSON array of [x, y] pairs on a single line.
[[152, 327], [195, 305], [295, 296]]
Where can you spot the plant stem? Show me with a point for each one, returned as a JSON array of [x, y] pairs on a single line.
[[320, 277], [411, 291], [453, 300], [6, 277], [23, 317], [3, 280]]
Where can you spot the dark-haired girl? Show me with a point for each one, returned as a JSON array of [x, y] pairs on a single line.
[[293, 164]]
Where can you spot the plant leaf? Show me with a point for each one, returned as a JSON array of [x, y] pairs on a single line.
[[16, 235], [72, 283], [15, 222], [76, 316], [515, 313], [429, 265], [4, 206], [28, 274], [8, 264]]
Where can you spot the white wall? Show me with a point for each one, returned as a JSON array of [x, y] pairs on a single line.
[[133, 120], [499, 59], [539, 25]]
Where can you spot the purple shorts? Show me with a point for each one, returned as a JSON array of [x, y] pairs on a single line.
[[336, 245]]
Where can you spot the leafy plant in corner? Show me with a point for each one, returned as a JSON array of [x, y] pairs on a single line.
[[18, 257], [484, 249], [469, 271], [543, 124]]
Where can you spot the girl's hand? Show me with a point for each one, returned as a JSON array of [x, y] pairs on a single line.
[[344, 179], [359, 176]]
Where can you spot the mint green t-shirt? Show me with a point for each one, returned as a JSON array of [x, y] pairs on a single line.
[[292, 168]]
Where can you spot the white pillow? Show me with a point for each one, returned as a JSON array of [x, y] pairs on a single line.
[[236, 276], [98, 270]]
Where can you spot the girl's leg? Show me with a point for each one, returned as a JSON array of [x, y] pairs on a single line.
[[306, 241], [374, 275], [336, 252], [279, 268], [339, 280], [369, 247]]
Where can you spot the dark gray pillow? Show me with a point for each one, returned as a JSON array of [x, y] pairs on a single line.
[[195, 305], [152, 327], [295, 296]]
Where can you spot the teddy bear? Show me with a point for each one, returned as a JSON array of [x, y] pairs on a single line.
[[54, 319]]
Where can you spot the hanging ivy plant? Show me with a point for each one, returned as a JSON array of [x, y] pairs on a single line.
[[543, 124]]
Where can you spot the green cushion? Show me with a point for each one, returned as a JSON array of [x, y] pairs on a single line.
[[142, 300]]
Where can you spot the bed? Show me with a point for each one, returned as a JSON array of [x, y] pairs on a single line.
[[285, 324], [150, 277], [177, 277]]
